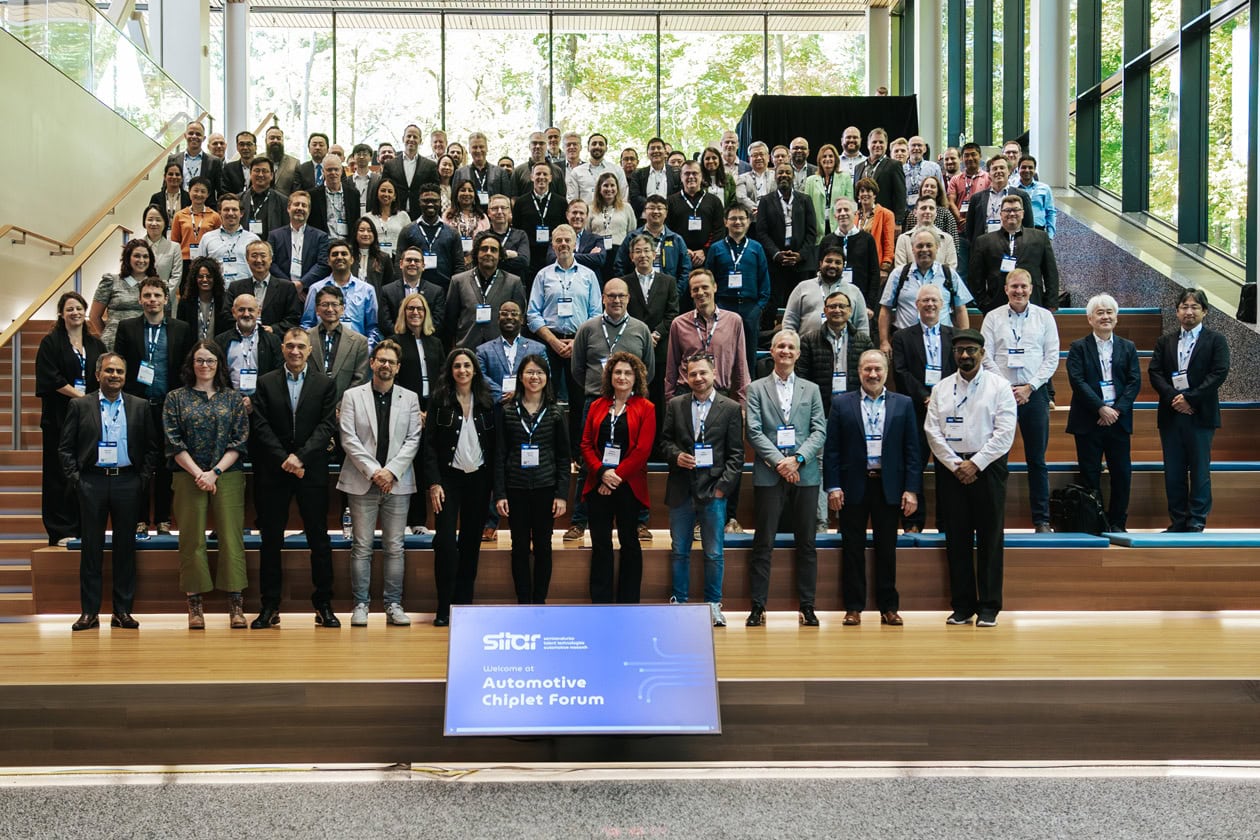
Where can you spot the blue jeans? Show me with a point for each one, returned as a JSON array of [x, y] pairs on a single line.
[[682, 523], [1034, 428], [365, 510]]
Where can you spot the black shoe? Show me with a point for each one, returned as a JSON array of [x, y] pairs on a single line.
[[125, 621], [1042, 528], [1194, 529], [1119, 529], [1175, 529], [267, 617], [959, 617], [808, 619], [441, 620], [324, 616], [87, 621], [757, 617]]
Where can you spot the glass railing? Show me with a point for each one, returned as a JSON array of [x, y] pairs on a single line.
[[79, 41]]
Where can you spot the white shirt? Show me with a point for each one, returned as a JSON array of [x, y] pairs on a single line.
[[468, 455], [784, 388], [987, 429], [580, 180], [1032, 336], [229, 250], [849, 164], [1106, 350], [658, 182]]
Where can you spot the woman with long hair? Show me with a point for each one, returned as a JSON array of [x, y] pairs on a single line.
[[946, 212], [172, 197], [203, 303], [467, 218], [168, 257], [388, 215], [610, 218], [419, 366], [825, 186], [713, 177], [446, 167], [118, 295], [368, 262]]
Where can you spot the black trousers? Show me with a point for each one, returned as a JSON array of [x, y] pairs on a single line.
[[1114, 443], [531, 521], [61, 512], [274, 491], [883, 518], [161, 489], [802, 504], [117, 499], [975, 511], [455, 558], [622, 508]]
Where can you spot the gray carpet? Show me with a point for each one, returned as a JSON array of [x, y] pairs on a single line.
[[937, 808]]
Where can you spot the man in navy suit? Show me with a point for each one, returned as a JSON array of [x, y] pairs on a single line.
[[500, 357], [308, 262], [1104, 374], [873, 470], [1187, 369]]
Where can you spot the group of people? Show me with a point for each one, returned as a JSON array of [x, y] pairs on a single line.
[[464, 360]]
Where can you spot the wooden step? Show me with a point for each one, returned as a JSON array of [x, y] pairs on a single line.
[[1236, 440], [19, 603], [15, 575]]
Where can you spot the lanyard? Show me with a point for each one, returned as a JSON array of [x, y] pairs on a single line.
[[428, 240], [485, 293], [705, 341], [1011, 247], [1183, 356], [1104, 361], [196, 222], [844, 243], [480, 181], [838, 347], [695, 208], [702, 414], [110, 423], [256, 207], [1022, 320], [82, 357], [932, 345], [328, 350], [958, 405], [529, 430], [509, 353], [543, 207], [612, 342], [153, 337], [613, 417], [736, 255], [249, 347], [874, 417]]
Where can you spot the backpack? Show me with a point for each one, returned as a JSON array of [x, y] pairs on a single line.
[[949, 286], [1078, 509]]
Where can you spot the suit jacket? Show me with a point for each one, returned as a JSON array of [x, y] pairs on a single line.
[[901, 459], [891, 178], [494, 362], [460, 321], [862, 255], [771, 228], [304, 177], [389, 302], [723, 430], [658, 310], [764, 419], [274, 214], [409, 194], [211, 168], [637, 184], [276, 431], [159, 198], [314, 254], [284, 173], [358, 439], [1085, 375], [497, 181], [910, 363], [280, 310], [235, 176], [409, 373], [57, 365], [1208, 367], [978, 213], [350, 362], [353, 209], [188, 312], [129, 342], [81, 433], [1033, 253], [270, 356], [367, 198]]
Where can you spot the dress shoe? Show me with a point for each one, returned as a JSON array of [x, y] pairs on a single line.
[[267, 617], [852, 618], [489, 535], [196, 618], [757, 617], [808, 619], [645, 533], [441, 620], [912, 529], [87, 621], [1042, 528], [324, 616], [1194, 529], [890, 618], [125, 621], [733, 526], [1119, 529], [575, 532], [236, 611]]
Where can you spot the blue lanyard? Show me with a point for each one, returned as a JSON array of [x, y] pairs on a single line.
[[110, 424], [529, 430], [152, 338], [705, 341], [707, 406]]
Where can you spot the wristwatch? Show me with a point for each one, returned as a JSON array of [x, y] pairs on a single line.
[[800, 459], [218, 471]]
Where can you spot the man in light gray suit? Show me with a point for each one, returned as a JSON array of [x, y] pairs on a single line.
[[787, 429], [380, 431]]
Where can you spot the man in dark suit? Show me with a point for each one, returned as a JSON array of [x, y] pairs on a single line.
[[873, 471], [538, 212], [1013, 246], [984, 214], [309, 264], [861, 257], [336, 205], [409, 170], [703, 443], [486, 179], [292, 421], [263, 208], [654, 179], [154, 348], [887, 173], [654, 301], [236, 172], [410, 281], [310, 174], [923, 355], [197, 162], [108, 450], [1187, 369], [523, 175], [250, 350], [1105, 378], [278, 298], [466, 321], [789, 244]]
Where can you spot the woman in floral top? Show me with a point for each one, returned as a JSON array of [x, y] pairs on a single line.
[[467, 218], [206, 430]]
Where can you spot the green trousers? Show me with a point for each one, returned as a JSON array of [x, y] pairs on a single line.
[[228, 505]]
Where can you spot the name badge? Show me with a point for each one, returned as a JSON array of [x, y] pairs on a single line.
[[787, 234], [107, 454], [509, 384], [430, 261], [295, 267], [529, 455], [847, 275], [339, 227], [990, 227], [1015, 357], [483, 313], [466, 243], [256, 228], [1108, 391], [735, 280], [227, 258], [1181, 380], [693, 223], [145, 374], [704, 454], [912, 199], [608, 243], [1008, 263], [932, 375], [962, 208], [483, 198], [953, 429], [249, 381], [194, 251], [387, 245], [542, 234], [785, 437], [564, 307], [612, 455], [656, 266], [874, 446], [80, 385], [839, 382]]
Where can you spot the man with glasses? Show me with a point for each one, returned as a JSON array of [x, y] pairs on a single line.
[[758, 181], [897, 306], [341, 354], [696, 214], [410, 281], [250, 351], [236, 172], [986, 206], [801, 167], [1013, 246], [475, 297], [279, 309]]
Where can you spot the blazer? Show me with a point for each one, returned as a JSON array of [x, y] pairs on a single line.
[[441, 435], [276, 431], [770, 229], [389, 302], [497, 181], [978, 212], [129, 342], [554, 455], [1085, 375], [187, 311], [723, 430], [764, 419], [353, 208], [817, 359], [1033, 253], [409, 194], [211, 168], [637, 185], [274, 213], [909, 361], [56, 366], [350, 362], [460, 321], [816, 189], [314, 254], [358, 439], [409, 373], [889, 175], [159, 198], [304, 177], [1209, 365], [235, 176], [494, 363], [270, 355], [901, 459], [81, 433], [658, 310], [280, 310], [640, 417]]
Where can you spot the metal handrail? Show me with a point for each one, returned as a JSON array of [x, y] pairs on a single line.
[[63, 248]]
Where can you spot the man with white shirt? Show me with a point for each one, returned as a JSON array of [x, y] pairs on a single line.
[[758, 181], [336, 205], [227, 244], [925, 219], [1021, 342], [850, 151], [970, 428], [300, 252], [897, 307], [654, 179], [730, 156], [580, 180], [362, 176], [916, 169], [409, 171], [360, 312]]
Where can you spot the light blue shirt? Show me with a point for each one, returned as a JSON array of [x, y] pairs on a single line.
[[294, 384], [577, 284], [114, 428], [360, 311], [1042, 199], [194, 166], [904, 311]]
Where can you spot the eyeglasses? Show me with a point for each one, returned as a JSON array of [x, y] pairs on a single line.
[[612, 296], [199, 362], [414, 309], [388, 362], [967, 350], [330, 304]]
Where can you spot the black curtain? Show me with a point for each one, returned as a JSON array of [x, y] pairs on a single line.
[[776, 120]]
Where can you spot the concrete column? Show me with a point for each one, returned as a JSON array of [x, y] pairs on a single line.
[[878, 49], [1048, 130], [236, 71], [927, 72], [179, 36]]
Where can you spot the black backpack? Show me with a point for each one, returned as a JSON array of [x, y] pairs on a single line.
[[952, 302], [1079, 510]]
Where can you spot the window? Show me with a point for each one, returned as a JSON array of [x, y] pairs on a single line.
[[1112, 142], [998, 83], [606, 81], [290, 73], [1229, 69], [1164, 20], [1112, 37], [810, 58], [1162, 181]]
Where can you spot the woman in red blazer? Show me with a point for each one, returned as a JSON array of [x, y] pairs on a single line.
[[616, 441]]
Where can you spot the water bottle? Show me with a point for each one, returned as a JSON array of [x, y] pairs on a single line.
[[347, 526]]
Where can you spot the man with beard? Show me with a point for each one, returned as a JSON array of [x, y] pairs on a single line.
[[850, 150], [787, 231], [580, 180], [522, 176], [801, 167], [283, 166]]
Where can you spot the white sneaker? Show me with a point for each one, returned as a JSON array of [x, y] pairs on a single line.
[[394, 615], [420, 530], [359, 617], [719, 620], [674, 600]]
